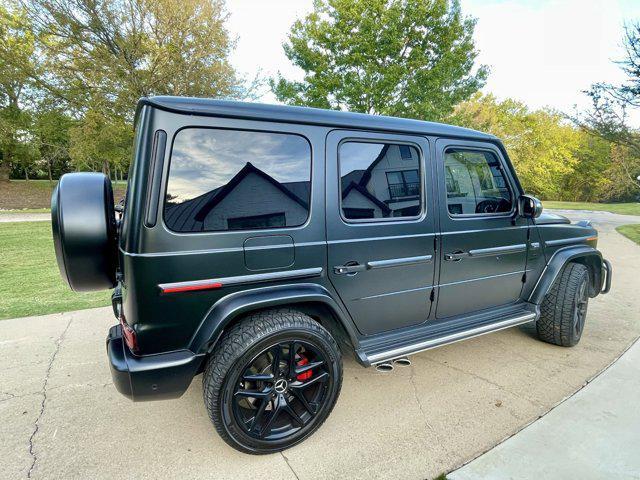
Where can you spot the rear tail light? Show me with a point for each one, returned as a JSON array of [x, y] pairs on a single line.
[[129, 335]]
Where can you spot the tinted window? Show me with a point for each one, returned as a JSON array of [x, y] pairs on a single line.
[[237, 180], [475, 183], [379, 180]]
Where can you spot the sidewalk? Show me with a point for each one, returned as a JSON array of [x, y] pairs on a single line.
[[594, 434]]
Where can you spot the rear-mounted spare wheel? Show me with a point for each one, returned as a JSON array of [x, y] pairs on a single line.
[[84, 231]]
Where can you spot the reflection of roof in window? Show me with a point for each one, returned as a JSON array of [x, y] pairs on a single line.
[[189, 215]]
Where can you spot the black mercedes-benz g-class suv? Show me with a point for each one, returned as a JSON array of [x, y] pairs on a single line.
[[256, 239]]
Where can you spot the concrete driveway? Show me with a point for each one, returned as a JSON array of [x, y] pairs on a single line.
[[60, 416]]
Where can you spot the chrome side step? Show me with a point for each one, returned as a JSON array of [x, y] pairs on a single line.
[[450, 338]]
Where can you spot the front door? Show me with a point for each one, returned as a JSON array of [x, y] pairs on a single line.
[[484, 243], [380, 227]]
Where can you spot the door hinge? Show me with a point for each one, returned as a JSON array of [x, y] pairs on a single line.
[[524, 277], [432, 297], [435, 243]]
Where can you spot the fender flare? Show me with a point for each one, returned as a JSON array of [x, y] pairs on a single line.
[[584, 254], [235, 304]]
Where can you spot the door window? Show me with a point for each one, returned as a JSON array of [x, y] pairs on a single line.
[[379, 180], [237, 180], [476, 183]]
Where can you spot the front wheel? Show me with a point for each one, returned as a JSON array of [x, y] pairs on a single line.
[[272, 380], [564, 309]]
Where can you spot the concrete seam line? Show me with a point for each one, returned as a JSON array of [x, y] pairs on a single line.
[[589, 380], [286, 460], [44, 400]]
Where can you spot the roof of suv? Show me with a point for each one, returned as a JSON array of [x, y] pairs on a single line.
[[314, 116]]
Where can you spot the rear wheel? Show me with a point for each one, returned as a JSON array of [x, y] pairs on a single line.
[[564, 309], [272, 380]]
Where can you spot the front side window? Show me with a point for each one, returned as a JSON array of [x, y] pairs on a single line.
[[237, 180], [379, 180], [476, 183]]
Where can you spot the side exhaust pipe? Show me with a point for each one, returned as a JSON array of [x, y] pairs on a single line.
[[402, 362], [384, 367]]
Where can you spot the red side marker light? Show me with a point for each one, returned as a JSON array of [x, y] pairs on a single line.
[[192, 288]]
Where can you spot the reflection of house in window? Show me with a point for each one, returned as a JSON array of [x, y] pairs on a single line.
[[388, 185], [252, 199], [404, 184]]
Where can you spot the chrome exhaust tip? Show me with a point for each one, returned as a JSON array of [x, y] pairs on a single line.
[[384, 367], [402, 362]]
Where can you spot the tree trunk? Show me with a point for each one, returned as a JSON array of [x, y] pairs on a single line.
[[26, 174], [5, 171], [49, 169]]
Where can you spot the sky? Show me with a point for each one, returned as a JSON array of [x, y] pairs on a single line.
[[544, 52]]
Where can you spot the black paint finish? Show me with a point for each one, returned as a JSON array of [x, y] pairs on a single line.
[[391, 273]]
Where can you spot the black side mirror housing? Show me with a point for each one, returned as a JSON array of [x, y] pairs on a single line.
[[529, 206]]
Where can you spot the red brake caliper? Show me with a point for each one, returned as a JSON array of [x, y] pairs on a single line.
[[306, 375]]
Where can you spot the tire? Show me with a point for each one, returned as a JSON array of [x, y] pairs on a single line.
[[564, 308], [244, 363]]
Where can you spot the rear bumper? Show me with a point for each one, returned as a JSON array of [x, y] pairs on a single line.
[[607, 271], [152, 377]]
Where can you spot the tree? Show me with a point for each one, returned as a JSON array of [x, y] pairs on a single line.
[[608, 117], [541, 144], [407, 58], [51, 129], [17, 44], [101, 56]]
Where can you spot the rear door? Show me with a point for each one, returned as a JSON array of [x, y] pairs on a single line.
[[484, 243], [380, 227]]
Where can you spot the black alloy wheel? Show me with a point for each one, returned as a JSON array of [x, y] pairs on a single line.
[[272, 380], [280, 390]]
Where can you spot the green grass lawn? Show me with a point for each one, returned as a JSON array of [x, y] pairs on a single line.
[[632, 232], [632, 208], [29, 278]]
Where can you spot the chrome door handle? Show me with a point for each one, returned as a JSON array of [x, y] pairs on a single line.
[[455, 256], [349, 269]]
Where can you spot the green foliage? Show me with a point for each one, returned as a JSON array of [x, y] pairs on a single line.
[[609, 115], [29, 277], [17, 45], [406, 58], [86, 63], [541, 145]]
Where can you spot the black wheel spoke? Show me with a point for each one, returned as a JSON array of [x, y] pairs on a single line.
[[266, 428], [321, 377], [258, 377], [303, 400], [293, 347], [275, 362], [259, 414], [307, 367], [253, 393], [296, 418]]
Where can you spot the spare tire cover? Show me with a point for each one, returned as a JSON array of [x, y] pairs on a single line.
[[84, 231]]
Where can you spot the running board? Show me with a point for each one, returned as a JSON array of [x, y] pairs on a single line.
[[446, 339]]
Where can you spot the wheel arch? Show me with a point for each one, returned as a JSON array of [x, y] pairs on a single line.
[[588, 256], [311, 299]]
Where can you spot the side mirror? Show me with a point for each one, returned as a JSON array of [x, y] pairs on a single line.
[[529, 206]]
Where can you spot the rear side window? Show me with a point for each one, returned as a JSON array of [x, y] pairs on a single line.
[[379, 180], [237, 180], [476, 183]]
